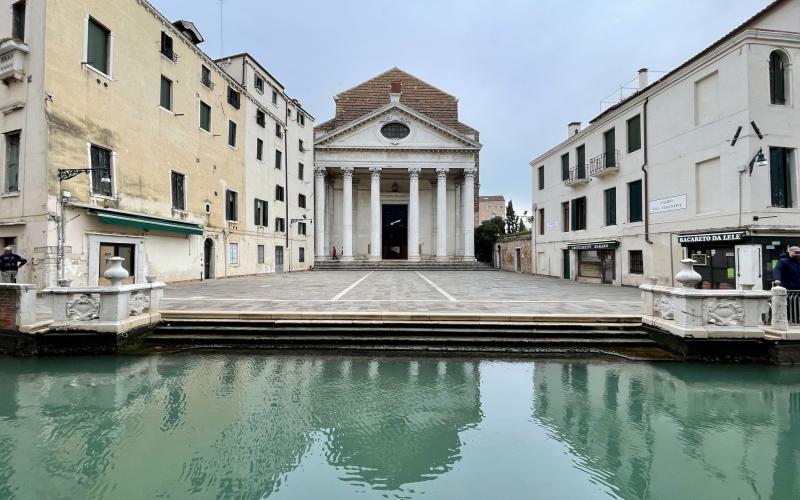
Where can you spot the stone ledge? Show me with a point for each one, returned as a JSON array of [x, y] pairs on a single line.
[[701, 332]]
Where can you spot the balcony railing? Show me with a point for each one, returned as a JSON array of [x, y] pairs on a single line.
[[606, 163], [793, 306], [13, 58], [577, 176], [207, 82], [169, 54]]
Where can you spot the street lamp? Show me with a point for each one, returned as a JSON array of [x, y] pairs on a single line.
[[63, 175], [759, 160]]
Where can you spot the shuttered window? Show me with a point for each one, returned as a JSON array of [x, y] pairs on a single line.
[[178, 182], [579, 214], [635, 201], [166, 93], [259, 149], [565, 216], [278, 159], [541, 177], [565, 167], [777, 77], [261, 211], [97, 46], [580, 153], [610, 197], [232, 134], [231, 205], [780, 177], [279, 193], [205, 116], [634, 134], [101, 162], [12, 162]]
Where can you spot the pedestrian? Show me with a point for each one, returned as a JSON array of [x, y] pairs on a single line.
[[334, 253], [9, 265], [787, 271]]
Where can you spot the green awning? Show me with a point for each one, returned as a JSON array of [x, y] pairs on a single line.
[[144, 222]]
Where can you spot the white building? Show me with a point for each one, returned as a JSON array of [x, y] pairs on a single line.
[[396, 174], [279, 145], [672, 171]]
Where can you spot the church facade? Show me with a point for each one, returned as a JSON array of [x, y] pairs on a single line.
[[396, 174]]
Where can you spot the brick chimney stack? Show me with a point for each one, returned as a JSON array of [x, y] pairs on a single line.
[[395, 90]]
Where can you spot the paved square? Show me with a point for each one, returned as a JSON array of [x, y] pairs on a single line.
[[468, 292]]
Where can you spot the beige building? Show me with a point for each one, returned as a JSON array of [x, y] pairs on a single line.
[[116, 88], [490, 207]]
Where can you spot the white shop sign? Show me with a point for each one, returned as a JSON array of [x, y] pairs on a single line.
[[668, 204]]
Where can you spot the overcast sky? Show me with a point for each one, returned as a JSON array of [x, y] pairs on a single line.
[[522, 69]]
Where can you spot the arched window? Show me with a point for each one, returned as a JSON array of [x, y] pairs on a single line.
[[778, 77]]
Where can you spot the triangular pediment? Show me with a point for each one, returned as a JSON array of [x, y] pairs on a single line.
[[424, 133]]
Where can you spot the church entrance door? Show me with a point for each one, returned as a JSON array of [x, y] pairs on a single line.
[[395, 232]]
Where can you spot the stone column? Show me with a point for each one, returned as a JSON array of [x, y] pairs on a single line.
[[413, 213], [347, 213], [441, 213], [320, 250], [468, 215], [375, 244], [458, 229]]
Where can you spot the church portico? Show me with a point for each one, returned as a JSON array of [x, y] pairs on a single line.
[[396, 179]]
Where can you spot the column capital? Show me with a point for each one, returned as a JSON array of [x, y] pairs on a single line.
[[413, 172], [376, 172], [441, 173], [470, 172], [347, 171], [320, 172]]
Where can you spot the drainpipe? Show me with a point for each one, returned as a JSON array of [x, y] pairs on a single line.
[[288, 223], [646, 206]]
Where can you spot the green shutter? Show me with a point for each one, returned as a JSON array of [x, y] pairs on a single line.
[[779, 178], [205, 117], [574, 215], [611, 206], [581, 160], [97, 53], [565, 167], [635, 201], [634, 134], [166, 93]]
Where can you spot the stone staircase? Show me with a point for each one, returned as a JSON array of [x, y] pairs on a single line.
[[400, 265]]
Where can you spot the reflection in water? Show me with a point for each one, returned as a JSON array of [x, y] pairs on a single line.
[[676, 430], [227, 426]]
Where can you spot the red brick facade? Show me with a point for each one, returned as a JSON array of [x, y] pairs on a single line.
[[8, 309]]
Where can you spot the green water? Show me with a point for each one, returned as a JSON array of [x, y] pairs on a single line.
[[324, 427]]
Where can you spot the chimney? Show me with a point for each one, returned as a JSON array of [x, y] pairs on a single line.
[[643, 78], [573, 128], [395, 90]]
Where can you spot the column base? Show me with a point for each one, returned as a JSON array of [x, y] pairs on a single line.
[[375, 258], [442, 258], [413, 258], [346, 258], [320, 258]]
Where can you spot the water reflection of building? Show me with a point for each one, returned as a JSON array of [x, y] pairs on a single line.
[[226, 426], [660, 431]]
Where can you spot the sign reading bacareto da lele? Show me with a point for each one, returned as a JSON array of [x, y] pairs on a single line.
[[712, 237]]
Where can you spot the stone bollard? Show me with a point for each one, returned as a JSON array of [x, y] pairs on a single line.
[[780, 311]]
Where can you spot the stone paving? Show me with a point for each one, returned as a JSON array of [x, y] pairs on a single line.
[[403, 291]]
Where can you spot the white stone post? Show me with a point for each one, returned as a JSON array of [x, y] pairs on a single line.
[[375, 245], [319, 214], [347, 213], [780, 309], [413, 213], [441, 213], [459, 226], [468, 215]]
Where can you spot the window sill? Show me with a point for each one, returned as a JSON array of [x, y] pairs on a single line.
[[104, 197], [206, 131], [170, 59], [97, 71], [180, 211], [166, 110], [233, 147], [10, 194]]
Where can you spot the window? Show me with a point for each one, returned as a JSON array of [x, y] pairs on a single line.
[[166, 93], [275, 97], [541, 177], [18, 20], [635, 201], [579, 214], [234, 98], [300, 171], [300, 145], [580, 152], [395, 131], [278, 131], [565, 216], [232, 133], [261, 118], [178, 182], [635, 262], [259, 150], [778, 77], [541, 221], [301, 228], [301, 200], [610, 148], [279, 193], [278, 159], [233, 253], [231, 205], [565, 167], [97, 48], [280, 224], [301, 119], [258, 83], [302, 254], [634, 134], [205, 77], [610, 198], [166, 46], [101, 160], [12, 162], [261, 213], [205, 116], [781, 177], [260, 254]]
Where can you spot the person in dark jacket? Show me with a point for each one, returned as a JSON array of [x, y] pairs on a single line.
[[9, 264], [787, 272]]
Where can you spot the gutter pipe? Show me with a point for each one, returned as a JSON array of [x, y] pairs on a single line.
[[646, 206]]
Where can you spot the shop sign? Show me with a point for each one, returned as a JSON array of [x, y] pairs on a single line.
[[668, 204], [712, 237], [552, 226], [599, 245]]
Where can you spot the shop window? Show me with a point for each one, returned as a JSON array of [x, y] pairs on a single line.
[[635, 262], [781, 176]]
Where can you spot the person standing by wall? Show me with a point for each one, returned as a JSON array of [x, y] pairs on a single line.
[[787, 271], [9, 265]]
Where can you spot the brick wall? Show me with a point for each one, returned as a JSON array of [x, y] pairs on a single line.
[[8, 309], [508, 251]]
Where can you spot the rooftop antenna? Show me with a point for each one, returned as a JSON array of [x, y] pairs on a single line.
[[221, 30]]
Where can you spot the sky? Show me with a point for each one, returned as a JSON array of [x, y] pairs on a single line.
[[522, 70]]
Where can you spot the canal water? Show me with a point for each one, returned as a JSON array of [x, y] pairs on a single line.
[[325, 427]]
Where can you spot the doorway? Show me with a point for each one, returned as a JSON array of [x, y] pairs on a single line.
[[395, 232], [127, 252], [565, 271], [608, 266], [518, 260], [208, 259], [278, 259]]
